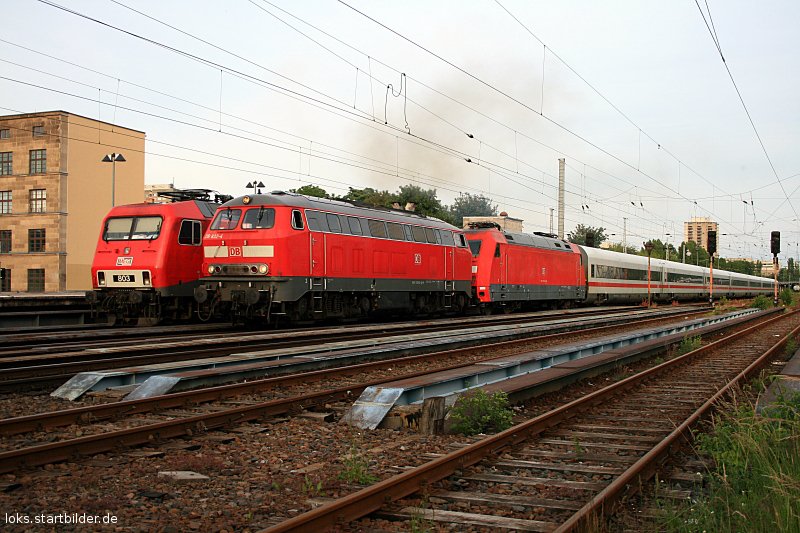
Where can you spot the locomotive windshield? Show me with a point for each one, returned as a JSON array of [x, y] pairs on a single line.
[[261, 218], [132, 228], [226, 219], [475, 247]]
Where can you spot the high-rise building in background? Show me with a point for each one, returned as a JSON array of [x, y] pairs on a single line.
[[696, 230], [55, 190]]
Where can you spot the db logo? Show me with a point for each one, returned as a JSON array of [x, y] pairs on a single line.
[[417, 259], [235, 251]]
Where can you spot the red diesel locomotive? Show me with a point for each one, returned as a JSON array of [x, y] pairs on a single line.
[[148, 259], [287, 255], [513, 270]]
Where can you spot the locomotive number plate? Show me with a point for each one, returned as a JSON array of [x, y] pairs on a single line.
[[124, 278]]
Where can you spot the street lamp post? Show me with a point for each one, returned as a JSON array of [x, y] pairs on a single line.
[[649, 247], [113, 158]]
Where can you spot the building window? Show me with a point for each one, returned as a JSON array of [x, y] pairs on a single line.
[[38, 200], [38, 161], [5, 280], [5, 163], [38, 131], [36, 240], [35, 280], [5, 241], [5, 134], [5, 202]]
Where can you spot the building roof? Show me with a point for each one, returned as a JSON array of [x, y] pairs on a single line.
[[59, 112]]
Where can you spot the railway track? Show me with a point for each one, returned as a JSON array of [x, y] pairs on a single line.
[[49, 369], [180, 414], [565, 469]]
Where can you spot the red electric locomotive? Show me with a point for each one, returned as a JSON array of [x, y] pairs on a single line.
[[149, 258], [288, 255], [512, 270]]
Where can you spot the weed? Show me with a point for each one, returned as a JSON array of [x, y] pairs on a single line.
[[577, 448], [787, 297], [754, 484], [477, 412], [356, 467], [791, 346], [689, 344], [311, 488], [419, 523], [761, 302]]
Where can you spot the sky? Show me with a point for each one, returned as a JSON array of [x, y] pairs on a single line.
[[470, 96]]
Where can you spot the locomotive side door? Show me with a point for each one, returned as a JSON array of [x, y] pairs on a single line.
[[317, 245]]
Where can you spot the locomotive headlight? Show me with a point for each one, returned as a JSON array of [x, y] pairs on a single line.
[[253, 269], [146, 277], [101, 278], [210, 269], [263, 269]]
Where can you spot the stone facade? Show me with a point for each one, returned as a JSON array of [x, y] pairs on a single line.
[[505, 222], [77, 193]]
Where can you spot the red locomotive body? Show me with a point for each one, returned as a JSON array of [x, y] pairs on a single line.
[[148, 260], [510, 270], [284, 254]]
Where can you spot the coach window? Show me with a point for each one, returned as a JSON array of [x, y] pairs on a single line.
[[407, 231], [355, 225], [430, 237], [190, 232], [396, 231], [333, 223], [261, 218], [419, 234], [226, 219], [377, 228], [297, 219]]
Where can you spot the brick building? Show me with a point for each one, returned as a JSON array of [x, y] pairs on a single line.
[[54, 192]]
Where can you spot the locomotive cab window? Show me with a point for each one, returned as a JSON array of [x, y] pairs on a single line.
[[396, 231], [316, 221], [447, 238], [377, 228], [261, 218], [132, 228], [419, 234], [226, 219], [462, 242], [497, 250], [190, 233], [355, 225], [297, 219], [334, 224]]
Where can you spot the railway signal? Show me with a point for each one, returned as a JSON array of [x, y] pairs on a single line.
[[775, 248]]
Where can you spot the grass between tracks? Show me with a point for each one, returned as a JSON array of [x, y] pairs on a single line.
[[755, 483]]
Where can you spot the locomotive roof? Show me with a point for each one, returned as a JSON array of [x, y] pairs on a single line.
[[526, 239], [207, 209], [341, 207]]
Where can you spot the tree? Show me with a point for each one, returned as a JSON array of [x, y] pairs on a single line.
[[469, 205], [617, 247], [425, 201], [370, 196], [578, 236], [311, 190]]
